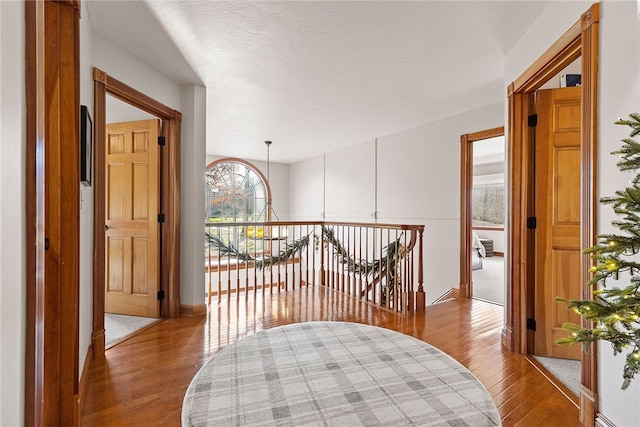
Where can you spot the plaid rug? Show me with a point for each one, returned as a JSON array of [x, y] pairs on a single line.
[[335, 374]]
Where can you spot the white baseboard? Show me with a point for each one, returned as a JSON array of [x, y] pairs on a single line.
[[450, 294], [602, 421]]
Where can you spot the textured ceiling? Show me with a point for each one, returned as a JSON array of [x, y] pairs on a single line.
[[316, 76]]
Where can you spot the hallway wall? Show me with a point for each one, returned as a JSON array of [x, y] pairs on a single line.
[[410, 177], [12, 214]]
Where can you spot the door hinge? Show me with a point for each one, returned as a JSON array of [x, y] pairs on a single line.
[[160, 295], [162, 141], [161, 218], [531, 324], [532, 120], [46, 243], [532, 222]]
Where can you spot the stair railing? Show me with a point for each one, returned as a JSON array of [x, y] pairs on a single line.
[[378, 263]]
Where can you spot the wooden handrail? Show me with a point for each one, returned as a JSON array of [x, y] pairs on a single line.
[[413, 227]]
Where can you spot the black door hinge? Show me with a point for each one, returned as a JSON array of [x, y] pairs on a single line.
[[161, 218], [531, 324], [162, 141], [532, 222], [532, 120], [160, 295], [46, 243]]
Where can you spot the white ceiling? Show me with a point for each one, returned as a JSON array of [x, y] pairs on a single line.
[[315, 76]]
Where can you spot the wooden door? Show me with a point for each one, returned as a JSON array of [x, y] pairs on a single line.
[[132, 207], [557, 209]]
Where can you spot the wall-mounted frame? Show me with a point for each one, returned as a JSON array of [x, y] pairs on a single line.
[[86, 145]]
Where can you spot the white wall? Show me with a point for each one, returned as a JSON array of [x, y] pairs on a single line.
[[192, 205], [122, 65], [618, 95], [12, 219], [119, 111], [352, 172], [306, 189], [417, 174]]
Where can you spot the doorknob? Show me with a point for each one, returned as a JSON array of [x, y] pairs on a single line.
[[106, 227]]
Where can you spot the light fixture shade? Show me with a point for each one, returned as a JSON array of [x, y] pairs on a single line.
[[257, 232]]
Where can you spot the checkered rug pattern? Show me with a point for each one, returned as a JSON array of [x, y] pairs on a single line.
[[335, 374]]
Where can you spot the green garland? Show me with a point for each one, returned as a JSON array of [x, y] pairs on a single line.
[[377, 268], [230, 250]]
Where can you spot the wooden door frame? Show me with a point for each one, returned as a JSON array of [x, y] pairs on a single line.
[[466, 186], [52, 212], [169, 199], [581, 40]]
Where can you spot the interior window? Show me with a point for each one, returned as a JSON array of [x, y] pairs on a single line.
[[235, 191]]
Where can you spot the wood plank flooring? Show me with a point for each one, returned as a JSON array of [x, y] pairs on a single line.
[[143, 380]]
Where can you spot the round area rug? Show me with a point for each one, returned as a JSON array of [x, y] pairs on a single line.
[[335, 374]]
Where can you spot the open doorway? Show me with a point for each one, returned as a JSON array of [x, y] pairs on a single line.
[[556, 248], [131, 227], [473, 252], [487, 220], [580, 41], [169, 195]]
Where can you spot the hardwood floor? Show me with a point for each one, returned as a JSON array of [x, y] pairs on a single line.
[[143, 380]]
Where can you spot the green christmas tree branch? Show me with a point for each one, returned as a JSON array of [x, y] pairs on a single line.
[[614, 312]]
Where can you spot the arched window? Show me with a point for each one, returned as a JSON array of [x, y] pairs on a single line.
[[236, 191]]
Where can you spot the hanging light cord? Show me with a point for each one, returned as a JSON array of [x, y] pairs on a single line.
[[268, 144]]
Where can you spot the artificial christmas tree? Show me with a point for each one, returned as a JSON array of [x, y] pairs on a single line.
[[614, 311]]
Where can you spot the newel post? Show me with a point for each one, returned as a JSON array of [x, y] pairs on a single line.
[[420, 294]]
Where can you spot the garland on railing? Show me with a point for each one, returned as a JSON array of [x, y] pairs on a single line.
[[224, 249], [230, 250], [289, 251], [394, 251], [378, 269]]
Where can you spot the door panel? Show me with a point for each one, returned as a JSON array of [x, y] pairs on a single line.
[[557, 209], [132, 206], [115, 255]]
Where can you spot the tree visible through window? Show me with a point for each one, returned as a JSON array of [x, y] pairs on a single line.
[[236, 191]]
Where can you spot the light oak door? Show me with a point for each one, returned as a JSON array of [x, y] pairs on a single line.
[[132, 229], [557, 209]]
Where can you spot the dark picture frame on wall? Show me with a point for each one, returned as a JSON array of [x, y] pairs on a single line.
[[86, 145]]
